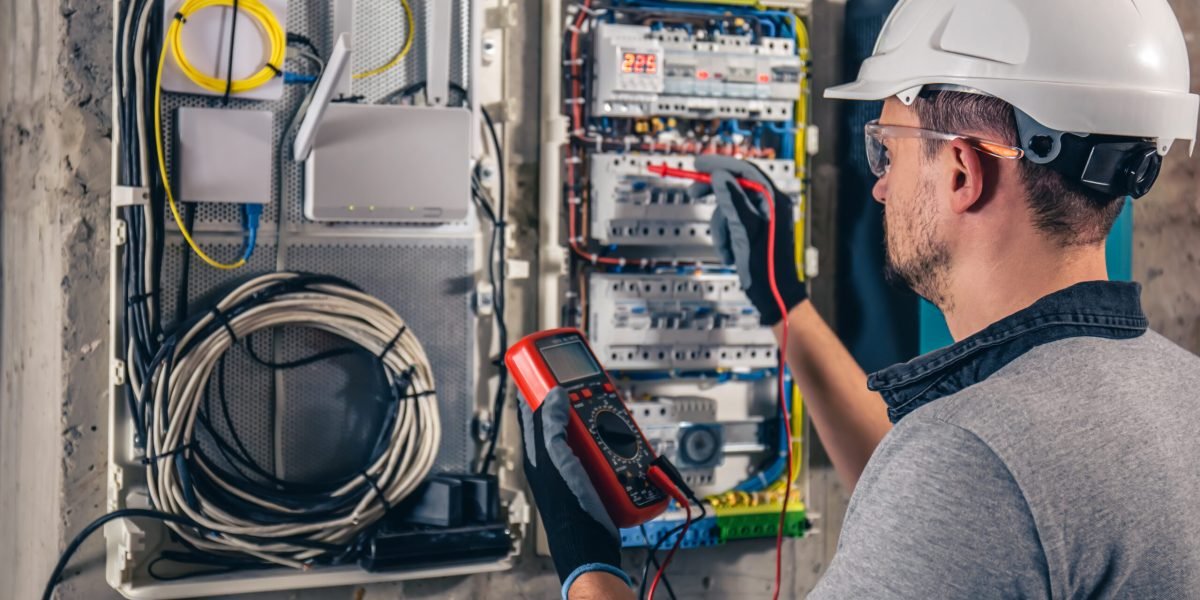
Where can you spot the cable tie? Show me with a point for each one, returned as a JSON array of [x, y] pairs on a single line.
[[645, 263], [148, 460], [140, 298], [416, 395], [391, 343], [621, 262], [574, 160], [220, 316], [577, 100], [595, 12], [274, 68], [599, 144], [179, 17], [578, 62], [573, 29], [595, 259], [387, 506]]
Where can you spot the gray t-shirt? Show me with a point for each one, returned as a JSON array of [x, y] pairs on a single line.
[[1071, 472]]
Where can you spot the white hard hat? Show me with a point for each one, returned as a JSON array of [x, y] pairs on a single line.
[[1109, 67]]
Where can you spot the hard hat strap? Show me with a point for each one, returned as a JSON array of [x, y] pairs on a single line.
[[1112, 165]]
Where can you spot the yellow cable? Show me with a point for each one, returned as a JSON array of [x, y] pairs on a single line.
[[276, 40], [408, 42], [162, 169]]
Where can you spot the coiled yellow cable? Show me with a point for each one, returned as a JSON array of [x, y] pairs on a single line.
[[275, 36], [404, 50]]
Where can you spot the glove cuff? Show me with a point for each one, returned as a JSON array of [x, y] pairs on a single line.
[[592, 567]]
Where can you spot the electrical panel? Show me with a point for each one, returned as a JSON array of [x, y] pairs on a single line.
[[303, 391], [658, 84]]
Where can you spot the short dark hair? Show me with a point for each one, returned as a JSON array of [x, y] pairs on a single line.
[[1067, 211]]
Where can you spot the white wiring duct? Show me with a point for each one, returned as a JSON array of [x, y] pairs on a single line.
[[281, 531]]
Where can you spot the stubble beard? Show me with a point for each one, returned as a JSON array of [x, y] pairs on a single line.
[[925, 266]]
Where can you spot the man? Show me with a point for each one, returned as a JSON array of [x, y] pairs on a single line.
[[1051, 451]]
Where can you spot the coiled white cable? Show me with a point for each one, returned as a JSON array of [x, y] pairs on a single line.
[[279, 530]]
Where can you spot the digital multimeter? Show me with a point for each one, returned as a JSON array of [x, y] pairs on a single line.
[[602, 433]]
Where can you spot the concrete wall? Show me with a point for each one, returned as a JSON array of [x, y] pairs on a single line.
[[1166, 257], [55, 60]]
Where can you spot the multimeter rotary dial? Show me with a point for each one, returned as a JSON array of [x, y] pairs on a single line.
[[616, 435]]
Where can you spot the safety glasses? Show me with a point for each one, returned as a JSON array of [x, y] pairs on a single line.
[[881, 162]]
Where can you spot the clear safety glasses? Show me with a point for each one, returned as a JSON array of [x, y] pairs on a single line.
[[880, 161]]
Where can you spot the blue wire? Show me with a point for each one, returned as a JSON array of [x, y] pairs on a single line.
[[250, 217], [294, 78]]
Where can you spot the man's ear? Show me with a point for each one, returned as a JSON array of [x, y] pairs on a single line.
[[967, 177]]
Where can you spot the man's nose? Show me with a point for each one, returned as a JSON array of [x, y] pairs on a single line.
[[880, 190]]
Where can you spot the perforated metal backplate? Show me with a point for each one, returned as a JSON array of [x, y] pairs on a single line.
[[328, 414]]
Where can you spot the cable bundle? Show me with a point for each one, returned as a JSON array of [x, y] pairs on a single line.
[[285, 523]]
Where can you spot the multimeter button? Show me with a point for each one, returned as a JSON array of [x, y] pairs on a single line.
[[608, 387], [573, 396], [587, 393]]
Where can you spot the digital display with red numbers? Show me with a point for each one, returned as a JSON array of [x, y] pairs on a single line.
[[639, 62]]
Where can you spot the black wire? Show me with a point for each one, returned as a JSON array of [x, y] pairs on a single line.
[[652, 558], [653, 551], [94, 526], [302, 362], [232, 39], [303, 40], [497, 275]]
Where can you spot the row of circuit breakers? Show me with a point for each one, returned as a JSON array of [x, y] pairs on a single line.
[[661, 83]]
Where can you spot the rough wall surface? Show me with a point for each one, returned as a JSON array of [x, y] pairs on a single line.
[[54, 181], [1166, 257]]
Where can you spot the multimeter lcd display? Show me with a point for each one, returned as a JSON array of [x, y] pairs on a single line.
[[570, 361], [639, 62]]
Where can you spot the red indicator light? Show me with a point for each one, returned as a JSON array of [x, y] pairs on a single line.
[[764, 78], [701, 75]]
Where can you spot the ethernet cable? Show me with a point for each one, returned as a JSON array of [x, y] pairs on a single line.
[[226, 514]]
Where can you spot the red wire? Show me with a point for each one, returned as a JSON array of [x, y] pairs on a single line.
[[659, 478], [783, 408]]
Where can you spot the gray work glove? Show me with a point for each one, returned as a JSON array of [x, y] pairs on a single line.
[[740, 228], [581, 535]]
